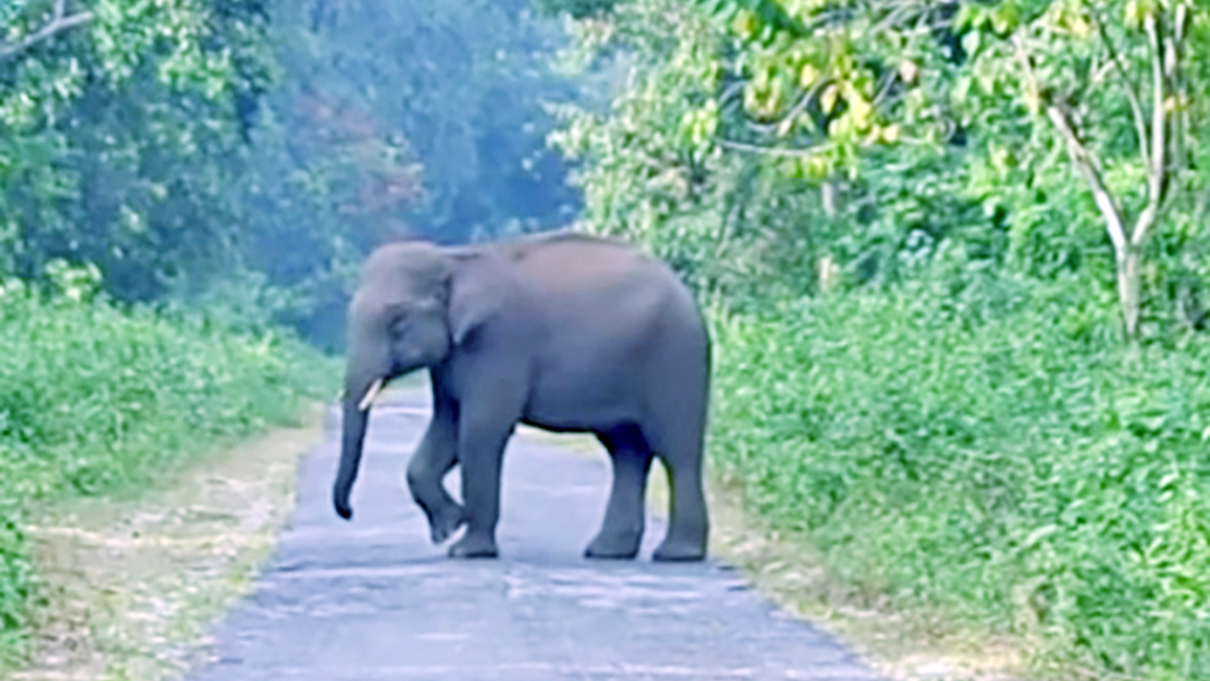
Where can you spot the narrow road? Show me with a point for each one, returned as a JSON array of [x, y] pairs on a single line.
[[372, 599]]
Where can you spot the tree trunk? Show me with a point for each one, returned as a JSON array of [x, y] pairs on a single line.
[[828, 194], [1129, 271]]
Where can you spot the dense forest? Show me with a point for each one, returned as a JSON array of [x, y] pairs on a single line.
[[251, 152], [954, 254]]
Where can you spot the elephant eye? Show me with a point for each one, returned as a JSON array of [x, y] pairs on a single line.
[[399, 326]]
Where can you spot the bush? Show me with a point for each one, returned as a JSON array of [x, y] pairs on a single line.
[[93, 400], [985, 445]]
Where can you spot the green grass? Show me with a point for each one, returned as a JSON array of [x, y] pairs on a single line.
[[989, 449], [98, 401]]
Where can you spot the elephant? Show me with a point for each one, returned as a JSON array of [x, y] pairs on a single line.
[[563, 331]]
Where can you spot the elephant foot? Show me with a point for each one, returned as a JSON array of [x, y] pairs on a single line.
[[474, 546], [672, 551], [614, 546], [444, 523]]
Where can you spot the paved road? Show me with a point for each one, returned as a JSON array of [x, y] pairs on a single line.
[[373, 600]]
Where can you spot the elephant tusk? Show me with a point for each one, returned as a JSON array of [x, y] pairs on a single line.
[[375, 388]]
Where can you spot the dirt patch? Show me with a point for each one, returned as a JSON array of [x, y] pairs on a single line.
[[134, 584]]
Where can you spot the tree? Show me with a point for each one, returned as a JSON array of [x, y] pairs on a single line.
[[1112, 82], [263, 149], [393, 120], [1148, 45], [102, 105], [714, 152], [461, 81]]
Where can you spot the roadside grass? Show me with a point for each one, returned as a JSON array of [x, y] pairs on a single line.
[[134, 583], [95, 401], [907, 643], [986, 452]]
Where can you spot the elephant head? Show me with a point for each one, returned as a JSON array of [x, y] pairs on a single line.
[[408, 312]]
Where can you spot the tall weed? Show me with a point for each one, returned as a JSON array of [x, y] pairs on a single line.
[[985, 445], [94, 400]]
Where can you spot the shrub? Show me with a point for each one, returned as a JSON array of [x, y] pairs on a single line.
[[93, 399], [986, 445]]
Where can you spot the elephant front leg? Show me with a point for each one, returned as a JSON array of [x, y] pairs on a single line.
[[480, 452], [435, 457]]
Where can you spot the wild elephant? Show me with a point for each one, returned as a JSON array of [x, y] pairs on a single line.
[[561, 331]]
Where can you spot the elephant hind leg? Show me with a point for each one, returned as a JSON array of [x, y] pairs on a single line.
[[621, 532], [678, 439]]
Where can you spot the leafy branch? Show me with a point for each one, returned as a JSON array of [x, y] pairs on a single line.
[[59, 22], [771, 16]]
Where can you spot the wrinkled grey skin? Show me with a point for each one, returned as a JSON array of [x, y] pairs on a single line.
[[562, 331]]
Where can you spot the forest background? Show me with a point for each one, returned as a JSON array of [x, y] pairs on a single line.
[[954, 254]]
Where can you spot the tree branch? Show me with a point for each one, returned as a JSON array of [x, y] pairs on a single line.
[[1178, 133], [1081, 157], [799, 106], [1100, 73], [887, 82], [1035, 94], [757, 149], [730, 91], [1086, 163], [1132, 93], [56, 25], [1157, 173], [898, 9]]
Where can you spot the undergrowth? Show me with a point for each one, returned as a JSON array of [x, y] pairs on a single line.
[[988, 447], [94, 400]]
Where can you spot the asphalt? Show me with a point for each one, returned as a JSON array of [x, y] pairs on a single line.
[[374, 600]]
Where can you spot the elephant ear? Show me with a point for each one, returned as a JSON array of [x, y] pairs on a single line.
[[476, 295]]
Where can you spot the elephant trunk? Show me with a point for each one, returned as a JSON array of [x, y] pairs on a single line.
[[360, 389]]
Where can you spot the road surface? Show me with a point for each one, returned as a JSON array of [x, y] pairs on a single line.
[[373, 600]]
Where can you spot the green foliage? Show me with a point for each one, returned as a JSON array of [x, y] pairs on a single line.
[[16, 578], [393, 120], [180, 144], [93, 400], [739, 197], [1035, 123], [98, 121], [983, 443]]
